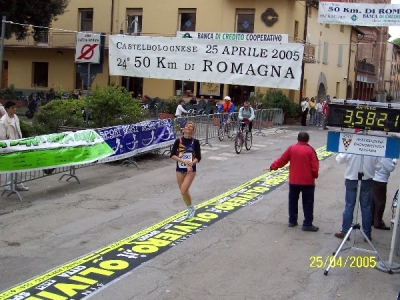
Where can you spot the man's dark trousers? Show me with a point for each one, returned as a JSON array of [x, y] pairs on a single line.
[[307, 195]]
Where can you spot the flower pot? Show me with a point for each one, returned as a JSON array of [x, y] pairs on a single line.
[[268, 124], [165, 116], [256, 124], [290, 121]]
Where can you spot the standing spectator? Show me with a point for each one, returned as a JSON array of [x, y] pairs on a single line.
[[187, 154], [312, 105], [202, 102], [354, 165], [303, 170], [180, 110], [180, 114], [325, 112], [318, 109], [379, 191], [210, 105], [2, 110], [10, 130], [193, 101], [77, 94], [304, 111]]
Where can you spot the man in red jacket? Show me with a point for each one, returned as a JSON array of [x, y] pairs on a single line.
[[303, 170]]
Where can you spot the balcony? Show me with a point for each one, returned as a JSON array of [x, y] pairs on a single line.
[[309, 52], [363, 66], [46, 39]]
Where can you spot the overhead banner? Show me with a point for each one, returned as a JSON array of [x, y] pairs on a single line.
[[53, 150], [361, 14], [235, 36], [241, 63], [129, 140]]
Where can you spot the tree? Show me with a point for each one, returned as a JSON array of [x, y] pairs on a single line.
[[33, 12], [396, 42]]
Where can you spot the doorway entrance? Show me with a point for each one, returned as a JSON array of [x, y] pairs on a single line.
[[134, 85], [240, 93]]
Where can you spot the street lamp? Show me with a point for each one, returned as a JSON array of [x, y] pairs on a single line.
[[121, 30]]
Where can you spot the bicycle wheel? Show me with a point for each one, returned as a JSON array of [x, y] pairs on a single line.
[[238, 143], [221, 132], [230, 130], [249, 140]]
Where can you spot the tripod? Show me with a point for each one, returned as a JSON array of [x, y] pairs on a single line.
[[356, 226]]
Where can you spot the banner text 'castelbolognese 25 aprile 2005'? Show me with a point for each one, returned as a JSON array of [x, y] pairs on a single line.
[[260, 64]]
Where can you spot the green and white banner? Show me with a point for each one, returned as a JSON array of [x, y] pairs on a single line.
[[53, 150]]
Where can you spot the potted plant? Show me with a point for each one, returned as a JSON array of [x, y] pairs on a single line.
[[292, 114], [275, 98], [168, 107]]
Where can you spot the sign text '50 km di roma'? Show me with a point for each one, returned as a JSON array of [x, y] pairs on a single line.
[[267, 65]]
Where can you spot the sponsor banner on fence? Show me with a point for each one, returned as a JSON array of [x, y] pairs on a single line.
[[361, 14], [52, 150], [129, 140], [85, 276], [256, 64], [235, 36]]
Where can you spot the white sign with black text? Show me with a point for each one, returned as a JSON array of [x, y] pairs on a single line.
[[87, 47], [241, 63], [360, 14], [362, 144]]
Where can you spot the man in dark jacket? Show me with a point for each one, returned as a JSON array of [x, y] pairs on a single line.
[[303, 171]]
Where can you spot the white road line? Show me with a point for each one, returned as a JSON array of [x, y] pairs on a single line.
[[218, 158]]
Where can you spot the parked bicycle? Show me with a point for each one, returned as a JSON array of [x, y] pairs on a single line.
[[243, 136], [226, 127]]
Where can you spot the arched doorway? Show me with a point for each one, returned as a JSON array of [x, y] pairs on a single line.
[[321, 91], [322, 87]]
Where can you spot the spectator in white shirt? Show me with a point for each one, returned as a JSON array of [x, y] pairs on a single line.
[[180, 110], [379, 192], [357, 164]]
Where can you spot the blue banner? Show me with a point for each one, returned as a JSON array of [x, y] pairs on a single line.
[[129, 140]]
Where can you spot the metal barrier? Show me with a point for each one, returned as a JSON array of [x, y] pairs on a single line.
[[206, 129], [206, 126], [268, 118], [12, 180]]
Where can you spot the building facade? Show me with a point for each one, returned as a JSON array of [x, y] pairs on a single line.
[[392, 67], [329, 62]]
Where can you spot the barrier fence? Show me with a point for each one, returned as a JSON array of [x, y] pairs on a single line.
[[207, 127]]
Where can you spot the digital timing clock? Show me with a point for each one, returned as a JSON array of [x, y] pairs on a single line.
[[364, 115]]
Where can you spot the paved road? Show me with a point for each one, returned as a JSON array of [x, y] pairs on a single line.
[[248, 254]]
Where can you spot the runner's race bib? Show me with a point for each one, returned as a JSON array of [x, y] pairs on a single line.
[[184, 156]]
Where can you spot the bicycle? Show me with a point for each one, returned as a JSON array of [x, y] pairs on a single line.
[[179, 124], [226, 127], [245, 137]]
